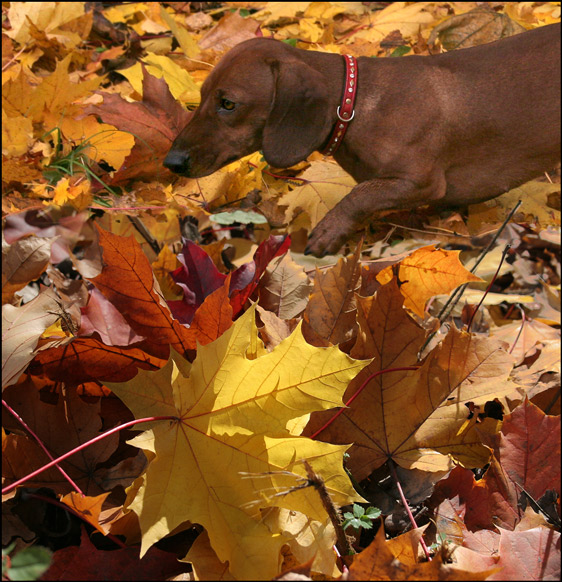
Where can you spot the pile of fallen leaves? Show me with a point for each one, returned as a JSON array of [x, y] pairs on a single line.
[[226, 401]]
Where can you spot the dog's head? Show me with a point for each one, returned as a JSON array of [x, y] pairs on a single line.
[[261, 96]]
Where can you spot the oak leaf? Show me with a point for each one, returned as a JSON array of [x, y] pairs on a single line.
[[428, 272], [233, 408]]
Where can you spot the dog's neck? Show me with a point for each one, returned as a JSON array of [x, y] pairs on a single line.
[[345, 111]]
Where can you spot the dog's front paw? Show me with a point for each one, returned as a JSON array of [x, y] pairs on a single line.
[[329, 236]]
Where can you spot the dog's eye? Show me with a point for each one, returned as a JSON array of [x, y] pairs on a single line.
[[227, 104]]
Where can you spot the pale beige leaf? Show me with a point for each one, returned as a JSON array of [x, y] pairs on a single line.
[[23, 261], [284, 288], [21, 329]]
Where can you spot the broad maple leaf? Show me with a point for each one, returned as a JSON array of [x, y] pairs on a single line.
[[237, 411], [419, 417]]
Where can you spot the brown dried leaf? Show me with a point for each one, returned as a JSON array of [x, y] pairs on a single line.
[[329, 317]]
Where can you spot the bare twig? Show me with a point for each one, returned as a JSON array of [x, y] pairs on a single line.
[[407, 507]]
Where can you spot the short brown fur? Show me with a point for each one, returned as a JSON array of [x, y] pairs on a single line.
[[456, 128]]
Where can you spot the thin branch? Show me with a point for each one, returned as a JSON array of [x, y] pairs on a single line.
[[81, 447], [460, 290], [407, 507], [505, 251], [40, 443]]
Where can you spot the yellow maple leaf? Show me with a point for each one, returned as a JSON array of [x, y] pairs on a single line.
[[325, 184], [428, 272], [233, 407], [53, 98], [104, 141], [409, 18], [45, 16], [17, 135], [394, 560], [179, 81]]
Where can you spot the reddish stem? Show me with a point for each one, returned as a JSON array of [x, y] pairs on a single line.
[[40, 443], [505, 251], [279, 177], [83, 446], [523, 320], [408, 511], [359, 390]]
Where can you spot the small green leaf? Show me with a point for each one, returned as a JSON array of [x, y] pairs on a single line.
[[30, 563], [358, 510], [400, 51], [373, 512]]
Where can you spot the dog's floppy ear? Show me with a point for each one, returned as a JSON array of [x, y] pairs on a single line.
[[299, 119]]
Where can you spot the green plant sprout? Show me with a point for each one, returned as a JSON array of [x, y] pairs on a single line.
[[75, 161], [361, 517]]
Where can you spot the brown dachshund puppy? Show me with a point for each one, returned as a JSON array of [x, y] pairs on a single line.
[[454, 129]]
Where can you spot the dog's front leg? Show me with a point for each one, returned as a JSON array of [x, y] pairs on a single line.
[[356, 209]]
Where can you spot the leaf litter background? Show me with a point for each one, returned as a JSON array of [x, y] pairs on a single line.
[[131, 293]]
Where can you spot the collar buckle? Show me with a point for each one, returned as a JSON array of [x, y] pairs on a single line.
[[345, 111]]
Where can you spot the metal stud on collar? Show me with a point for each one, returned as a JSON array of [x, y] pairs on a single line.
[[345, 112]]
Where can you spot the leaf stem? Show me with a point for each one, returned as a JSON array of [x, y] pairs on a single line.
[[505, 251], [40, 443], [359, 390], [407, 507], [457, 294], [83, 446], [523, 320]]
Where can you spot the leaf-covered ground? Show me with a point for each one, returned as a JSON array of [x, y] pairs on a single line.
[[227, 401]]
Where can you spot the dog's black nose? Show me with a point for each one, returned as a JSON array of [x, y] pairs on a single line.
[[177, 161]]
